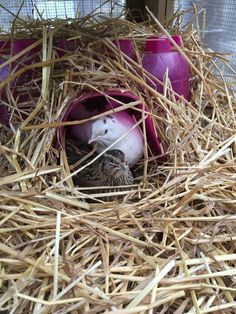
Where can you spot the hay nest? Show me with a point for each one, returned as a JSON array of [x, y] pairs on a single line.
[[166, 245]]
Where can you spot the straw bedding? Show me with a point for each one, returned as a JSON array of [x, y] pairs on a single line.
[[163, 245]]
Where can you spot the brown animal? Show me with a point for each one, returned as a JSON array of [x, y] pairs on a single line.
[[111, 169]]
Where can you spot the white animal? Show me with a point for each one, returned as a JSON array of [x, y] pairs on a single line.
[[105, 131]]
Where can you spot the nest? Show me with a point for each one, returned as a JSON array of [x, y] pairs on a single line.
[[163, 245]]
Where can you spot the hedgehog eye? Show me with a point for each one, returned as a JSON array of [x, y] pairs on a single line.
[[106, 131]]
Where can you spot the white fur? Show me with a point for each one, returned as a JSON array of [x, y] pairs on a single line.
[[107, 130]]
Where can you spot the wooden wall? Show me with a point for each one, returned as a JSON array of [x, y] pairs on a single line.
[[161, 8]]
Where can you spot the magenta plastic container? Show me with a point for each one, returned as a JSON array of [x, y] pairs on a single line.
[[126, 46], [5, 48], [4, 71], [64, 46], [92, 103], [20, 44], [159, 56], [4, 115], [29, 57]]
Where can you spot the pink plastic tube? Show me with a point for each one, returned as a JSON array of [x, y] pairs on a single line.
[[91, 103]]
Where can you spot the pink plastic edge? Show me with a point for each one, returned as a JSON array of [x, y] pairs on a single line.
[[158, 45], [178, 39], [162, 41]]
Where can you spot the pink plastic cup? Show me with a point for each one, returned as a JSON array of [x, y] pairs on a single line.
[[126, 46], [157, 45], [160, 57]]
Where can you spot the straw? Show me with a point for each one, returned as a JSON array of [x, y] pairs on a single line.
[[162, 244]]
